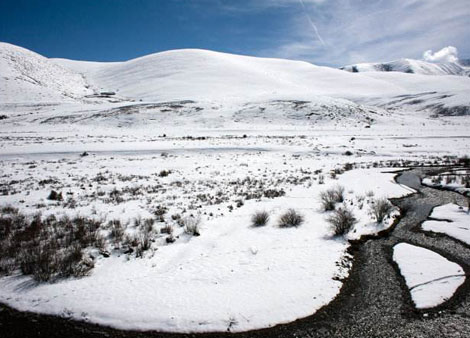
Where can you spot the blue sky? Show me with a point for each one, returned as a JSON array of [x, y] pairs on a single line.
[[327, 32]]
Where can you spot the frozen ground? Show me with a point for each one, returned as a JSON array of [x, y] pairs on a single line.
[[431, 278], [452, 220]]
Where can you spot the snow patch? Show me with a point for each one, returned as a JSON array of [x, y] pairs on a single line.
[[452, 220], [431, 278]]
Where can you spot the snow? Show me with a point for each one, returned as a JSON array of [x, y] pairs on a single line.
[[410, 66], [455, 179], [232, 276], [31, 77], [206, 76], [450, 219], [217, 82], [213, 120], [431, 278]]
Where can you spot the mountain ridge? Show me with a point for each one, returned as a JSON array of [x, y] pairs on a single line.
[[410, 66]]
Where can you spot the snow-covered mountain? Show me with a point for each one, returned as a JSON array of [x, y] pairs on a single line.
[[213, 79], [410, 66]]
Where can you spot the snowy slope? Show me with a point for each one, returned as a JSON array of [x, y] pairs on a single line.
[[29, 77], [438, 94], [206, 75], [410, 66]]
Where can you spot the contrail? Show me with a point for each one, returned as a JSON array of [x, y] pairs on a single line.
[[314, 27]]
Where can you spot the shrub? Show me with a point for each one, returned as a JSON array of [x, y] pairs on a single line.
[[290, 218], [464, 161], [117, 230], [170, 239], [259, 218], [160, 210], [147, 225], [339, 194], [144, 241], [331, 196], [46, 248], [55, 196], [191, 225], [341, 221], [167, 229], [273, 193], [327, 199], [164, 173], [381, 208]]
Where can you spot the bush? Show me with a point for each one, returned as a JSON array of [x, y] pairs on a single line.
[[381, 208], [339, 194], [260, 218], [117, 230], [330, 197], [464, 161], [341, 221], [191, 225], [167, 229], [273, 193], [290, 219], [327, 199], [55, 196], [164, 173], [144, 244]]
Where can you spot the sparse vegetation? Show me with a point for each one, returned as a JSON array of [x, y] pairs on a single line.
[[290, 218], [47, 248], [260, 218]]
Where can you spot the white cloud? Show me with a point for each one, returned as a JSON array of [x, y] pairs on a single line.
[[370, 31], [446, 54]]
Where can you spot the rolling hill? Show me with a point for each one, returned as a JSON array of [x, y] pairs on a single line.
[[212, 78]]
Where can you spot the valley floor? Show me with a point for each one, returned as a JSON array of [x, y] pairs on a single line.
[[147, 188], [373, 301]]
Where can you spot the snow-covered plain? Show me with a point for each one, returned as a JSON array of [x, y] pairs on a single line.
[[230, 132], [233, 275], [452, 220], [431, 278]]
